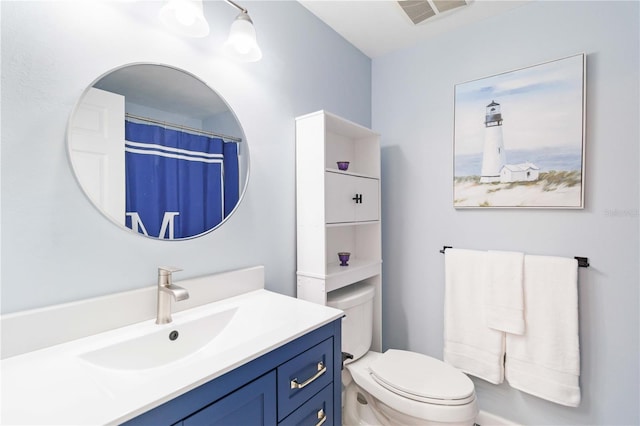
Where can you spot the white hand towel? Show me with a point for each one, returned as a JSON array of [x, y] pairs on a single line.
[[503, 298], [545, 361], [469, 344]]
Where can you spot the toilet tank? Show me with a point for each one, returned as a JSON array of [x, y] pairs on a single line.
[[357, 326]]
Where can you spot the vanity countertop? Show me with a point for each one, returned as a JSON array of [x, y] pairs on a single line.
[[55, 385]]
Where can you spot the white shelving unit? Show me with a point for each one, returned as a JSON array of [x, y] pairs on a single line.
[[338, 211]]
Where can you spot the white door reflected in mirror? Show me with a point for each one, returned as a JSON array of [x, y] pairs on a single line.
[[97, 150]]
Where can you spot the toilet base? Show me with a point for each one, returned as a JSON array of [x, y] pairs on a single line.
[[357, 411]]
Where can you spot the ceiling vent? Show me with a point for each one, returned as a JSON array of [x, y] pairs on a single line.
[[420, 10]]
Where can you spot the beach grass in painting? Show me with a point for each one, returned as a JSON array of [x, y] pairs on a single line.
[[552, 189]]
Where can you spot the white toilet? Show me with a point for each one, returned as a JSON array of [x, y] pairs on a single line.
[[396, 387]]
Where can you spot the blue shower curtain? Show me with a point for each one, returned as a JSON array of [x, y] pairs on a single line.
[[178, 184]]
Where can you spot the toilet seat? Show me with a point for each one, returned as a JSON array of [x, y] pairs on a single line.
[[433, 408], [422, 378]]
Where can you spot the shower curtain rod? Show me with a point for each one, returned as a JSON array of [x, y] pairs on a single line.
[[583, 262], [189, 129]]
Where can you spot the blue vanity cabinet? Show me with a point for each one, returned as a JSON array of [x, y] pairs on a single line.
[[297, 384], [252, 404]]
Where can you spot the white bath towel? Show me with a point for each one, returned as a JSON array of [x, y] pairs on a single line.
[[503, 298], [545, 361], [469, 344]]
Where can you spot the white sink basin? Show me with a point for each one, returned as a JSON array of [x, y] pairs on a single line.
[[112, 376], [170, 343]]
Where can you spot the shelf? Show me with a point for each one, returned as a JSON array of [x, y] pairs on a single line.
[[356, 273], [340, 276], [362, 223], [334, 269], [348, 173]]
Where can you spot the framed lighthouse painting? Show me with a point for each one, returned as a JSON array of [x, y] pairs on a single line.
[[519, 138]]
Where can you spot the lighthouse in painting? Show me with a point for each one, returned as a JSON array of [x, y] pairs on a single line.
[[494, 157]]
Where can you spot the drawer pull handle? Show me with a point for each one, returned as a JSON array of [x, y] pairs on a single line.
[[322, 417], [321, 370]]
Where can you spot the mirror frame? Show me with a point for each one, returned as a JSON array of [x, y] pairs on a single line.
[[244, 165]]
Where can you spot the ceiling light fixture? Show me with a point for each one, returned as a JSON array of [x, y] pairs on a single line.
[[242, 43], [185, 17]]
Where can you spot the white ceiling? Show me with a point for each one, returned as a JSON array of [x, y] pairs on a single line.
[[378, 27]]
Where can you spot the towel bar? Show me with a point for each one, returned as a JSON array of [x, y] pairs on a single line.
[[583, 262]]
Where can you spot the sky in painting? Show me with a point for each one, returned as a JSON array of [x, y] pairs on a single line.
[[542, 107]]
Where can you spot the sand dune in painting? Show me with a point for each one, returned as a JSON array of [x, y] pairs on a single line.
[[555, 189]]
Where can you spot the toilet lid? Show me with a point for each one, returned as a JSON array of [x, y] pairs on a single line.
[[422, 378]]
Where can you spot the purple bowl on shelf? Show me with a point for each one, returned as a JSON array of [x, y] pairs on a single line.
[[344, 258], [343, 165]]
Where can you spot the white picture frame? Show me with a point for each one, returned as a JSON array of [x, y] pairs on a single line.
[[519, 138]]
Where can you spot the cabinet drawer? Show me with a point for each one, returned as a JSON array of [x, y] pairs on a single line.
[[317, 411], [303, 376]]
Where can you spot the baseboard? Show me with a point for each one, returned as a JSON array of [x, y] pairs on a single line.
[[488, 419]]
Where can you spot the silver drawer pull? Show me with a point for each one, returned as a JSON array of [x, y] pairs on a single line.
[[322, 417], [321, 370]]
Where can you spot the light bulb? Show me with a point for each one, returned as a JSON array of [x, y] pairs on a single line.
[[185, 15], [242, 44]]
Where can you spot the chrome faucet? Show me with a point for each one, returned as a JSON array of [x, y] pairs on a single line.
[[166, 290]]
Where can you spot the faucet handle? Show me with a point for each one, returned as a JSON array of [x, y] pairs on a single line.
[[167, 270]]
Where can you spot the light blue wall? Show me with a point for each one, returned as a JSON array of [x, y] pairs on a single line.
[[55, 246], [413, 110]]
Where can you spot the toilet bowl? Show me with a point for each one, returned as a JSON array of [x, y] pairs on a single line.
[[395, 387], [419, 391]]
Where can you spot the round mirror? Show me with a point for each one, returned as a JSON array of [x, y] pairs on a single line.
[[158, 151]]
